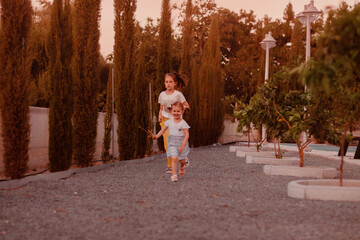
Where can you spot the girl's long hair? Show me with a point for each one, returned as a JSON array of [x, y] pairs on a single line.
[[180, 79]]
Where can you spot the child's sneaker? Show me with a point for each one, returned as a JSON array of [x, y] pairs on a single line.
[[174, 178], [187, 162], [182, 170], [168, 170]]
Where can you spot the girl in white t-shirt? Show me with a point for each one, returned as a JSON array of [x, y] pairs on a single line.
[[173, 81], [178, 146]]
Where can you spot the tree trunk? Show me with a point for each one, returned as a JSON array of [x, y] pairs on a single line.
[[301, 153], [342, 155]]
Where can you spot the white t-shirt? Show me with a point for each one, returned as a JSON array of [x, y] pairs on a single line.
[[176, 129], [166, 100]]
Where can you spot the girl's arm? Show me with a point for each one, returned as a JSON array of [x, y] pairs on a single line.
[[160, 113], [186, 131], [186, 105], [160, 133]]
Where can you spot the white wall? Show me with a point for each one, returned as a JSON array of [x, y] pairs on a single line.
[[39, 137]]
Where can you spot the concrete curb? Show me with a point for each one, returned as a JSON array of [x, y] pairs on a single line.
[[310, 171], [325, 190], [272, 161], [241, 153], [243, 148], [16, 183]]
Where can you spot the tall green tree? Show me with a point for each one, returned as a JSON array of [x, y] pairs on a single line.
[[124, 63], [143, 118], [211, 88], [14, 85], [86, 72], [187, 35], [59, 48], [164, 54]]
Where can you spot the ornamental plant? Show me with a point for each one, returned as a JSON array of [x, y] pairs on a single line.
[[335, 76]]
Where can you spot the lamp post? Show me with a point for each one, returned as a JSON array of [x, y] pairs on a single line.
[[266, 44], [310, 14]]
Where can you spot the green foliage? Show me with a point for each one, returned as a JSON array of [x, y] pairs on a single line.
[[108, 124], [14, 85], [210, 89], [86, 72], [143, 118], [124, 63], [59, 51], [164, 55]]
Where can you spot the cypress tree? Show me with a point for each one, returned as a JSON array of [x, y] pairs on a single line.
[[105, 155], [185, 66], [86, 72], [59, 50], [142, 103], [14, 85], [124, 50], [211, 88], [164, 54]]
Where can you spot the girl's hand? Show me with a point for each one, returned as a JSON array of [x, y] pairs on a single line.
[[154, 137], [160, 118], [181, 148]]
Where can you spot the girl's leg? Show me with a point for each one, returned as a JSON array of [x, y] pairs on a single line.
[[165, 137], [182, 166], [174, 165]]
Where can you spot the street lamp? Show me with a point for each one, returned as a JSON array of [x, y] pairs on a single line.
[[307, 16], [266, 44]]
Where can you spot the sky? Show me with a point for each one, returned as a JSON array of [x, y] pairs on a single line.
[[152, 9]]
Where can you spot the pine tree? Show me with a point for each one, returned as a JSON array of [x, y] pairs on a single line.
[[164, 54], [108, 124], [142, 103], [86, 72], [14, 85], [211, 88], [59, 50], [124, 50]]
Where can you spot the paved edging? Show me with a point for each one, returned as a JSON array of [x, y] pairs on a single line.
[[272, 160], [325, 190], [296, 171], [16, 183]]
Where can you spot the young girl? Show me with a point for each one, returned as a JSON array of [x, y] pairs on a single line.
[[173, 81], [178, 146]]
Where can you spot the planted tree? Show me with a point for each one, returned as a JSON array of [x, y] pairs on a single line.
[[59, 48], [124, 63], [335, 76], [14, 85], [164, 55], [86, 72], [211, 88], [299, 111], [143, 118]]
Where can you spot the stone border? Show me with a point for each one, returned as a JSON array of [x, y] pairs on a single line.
[[270, 154], [243, 148], [325, 190], [310, 171], [16, 183], [273, 161]]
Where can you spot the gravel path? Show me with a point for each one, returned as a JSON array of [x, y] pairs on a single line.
[[220, 197]]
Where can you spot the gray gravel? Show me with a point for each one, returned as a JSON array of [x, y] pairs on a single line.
[[220, 197]]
